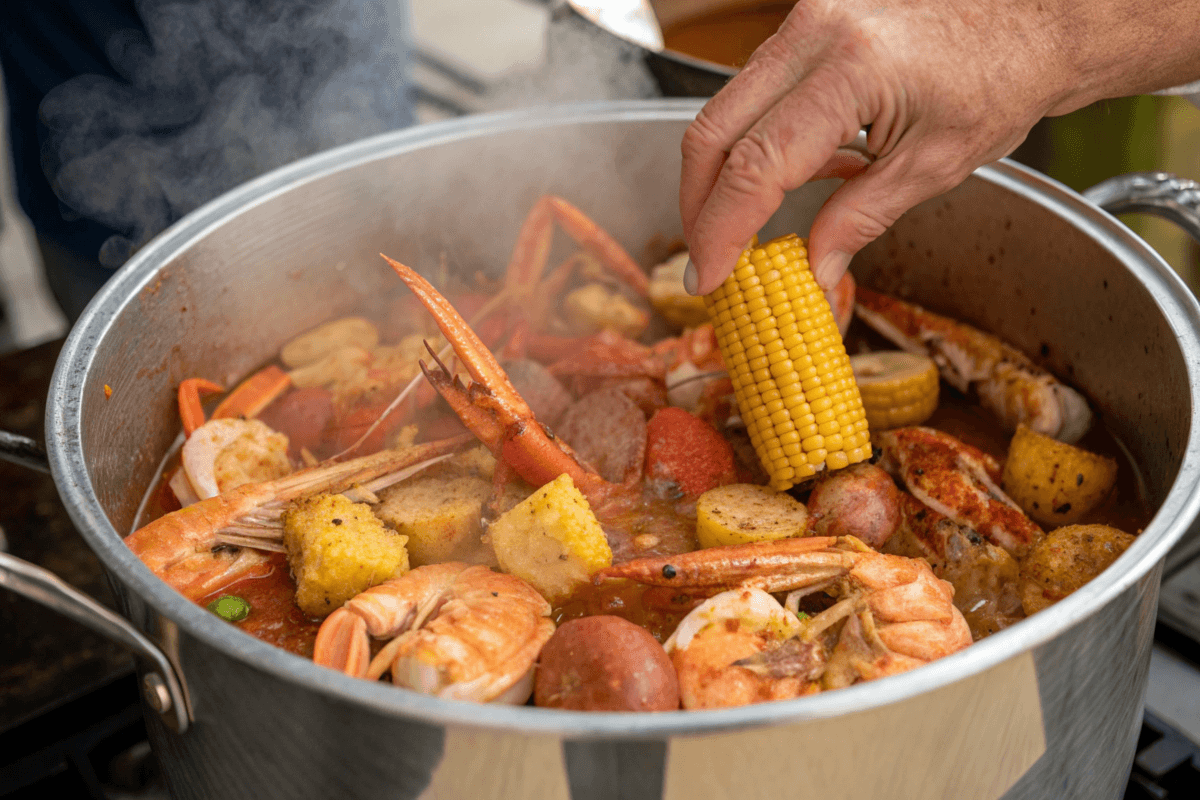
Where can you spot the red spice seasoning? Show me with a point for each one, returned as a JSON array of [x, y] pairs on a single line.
[[688, 452]]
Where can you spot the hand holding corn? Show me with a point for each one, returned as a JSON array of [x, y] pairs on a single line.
[[945, 86]]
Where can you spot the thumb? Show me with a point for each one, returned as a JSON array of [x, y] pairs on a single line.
[[864, 207]]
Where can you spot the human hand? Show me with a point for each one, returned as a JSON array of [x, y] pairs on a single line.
[[945, 86]]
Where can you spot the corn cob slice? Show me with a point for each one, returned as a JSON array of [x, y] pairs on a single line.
[[791, 375], [898, 389]]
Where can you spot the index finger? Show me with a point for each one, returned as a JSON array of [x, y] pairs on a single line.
[[793, 142], [769, 75]]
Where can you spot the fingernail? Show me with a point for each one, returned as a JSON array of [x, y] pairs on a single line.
[[830, 270], [691, 278]]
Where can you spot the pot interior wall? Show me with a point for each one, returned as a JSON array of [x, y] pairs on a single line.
[[225, 302]]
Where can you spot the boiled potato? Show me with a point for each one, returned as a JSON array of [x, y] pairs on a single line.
[[1055, 483], [741, 513], [551, 539], [312, 346], [605, 663], [441, 516], [336, 549], [1067, 559]]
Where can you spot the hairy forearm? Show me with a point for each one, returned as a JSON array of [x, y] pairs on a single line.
[[1126, 47]]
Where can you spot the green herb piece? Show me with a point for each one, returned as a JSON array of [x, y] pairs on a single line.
[[230, 608]]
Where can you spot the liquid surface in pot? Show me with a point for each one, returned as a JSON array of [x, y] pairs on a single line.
[[659, 514], [726, 36]]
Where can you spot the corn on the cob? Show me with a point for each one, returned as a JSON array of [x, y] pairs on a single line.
[[791, 376], [898, 389]]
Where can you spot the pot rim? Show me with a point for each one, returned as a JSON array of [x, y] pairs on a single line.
[[64, 446]]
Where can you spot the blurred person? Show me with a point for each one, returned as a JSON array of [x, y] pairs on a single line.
[[124, 115], [942, 86]]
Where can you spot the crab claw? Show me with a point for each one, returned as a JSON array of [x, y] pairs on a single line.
[[490, 407]]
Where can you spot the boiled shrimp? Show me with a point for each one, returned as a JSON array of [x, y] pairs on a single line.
[[457, 631], [892, 614], [210, 544]]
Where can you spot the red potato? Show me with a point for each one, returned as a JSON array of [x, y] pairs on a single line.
[[605, 663], [860, 501], [686, 453]]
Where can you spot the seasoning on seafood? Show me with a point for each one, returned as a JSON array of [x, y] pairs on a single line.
[[986, 579], [1008, 384], [794, 386], [892, 614], [456, 631], [960, 482]]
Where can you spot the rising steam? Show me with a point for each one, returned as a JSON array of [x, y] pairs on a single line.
[[217, 92]]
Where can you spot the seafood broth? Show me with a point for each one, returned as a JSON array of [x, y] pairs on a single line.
[[726, 36]]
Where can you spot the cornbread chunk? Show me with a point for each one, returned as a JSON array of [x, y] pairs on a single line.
[[441, 515], [551, 539], [1055, 483], [336, 549]]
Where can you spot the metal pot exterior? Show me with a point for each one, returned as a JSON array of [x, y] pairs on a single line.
[[1049, 708]]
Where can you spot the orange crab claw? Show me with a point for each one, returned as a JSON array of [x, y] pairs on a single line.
[[191, 413], [491, 407], [254, 394]]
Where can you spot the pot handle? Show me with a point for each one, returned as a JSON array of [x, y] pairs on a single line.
[[161, 687], [1159, 193], [23, 451]]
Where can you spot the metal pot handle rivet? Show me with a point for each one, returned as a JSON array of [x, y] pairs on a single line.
[[1159, 193], [160, 686]]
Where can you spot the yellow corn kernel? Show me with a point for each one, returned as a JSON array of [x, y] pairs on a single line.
[[898, 389], [792, 379]]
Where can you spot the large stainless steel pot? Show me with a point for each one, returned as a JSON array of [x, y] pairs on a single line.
[[1048, 708]]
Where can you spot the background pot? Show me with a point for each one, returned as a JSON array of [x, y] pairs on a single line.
[[1049, 708]]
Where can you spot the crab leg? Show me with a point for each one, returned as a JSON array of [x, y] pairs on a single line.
[[191, 414], [777, 566], [1008, 383], [254, 394], [960, 482], [533, 246], [491, 407]]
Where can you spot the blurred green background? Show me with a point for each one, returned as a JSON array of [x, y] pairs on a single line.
[[1134, 134]]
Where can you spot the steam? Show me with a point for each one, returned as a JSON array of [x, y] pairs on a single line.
[[582, 63], [217, 92]]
